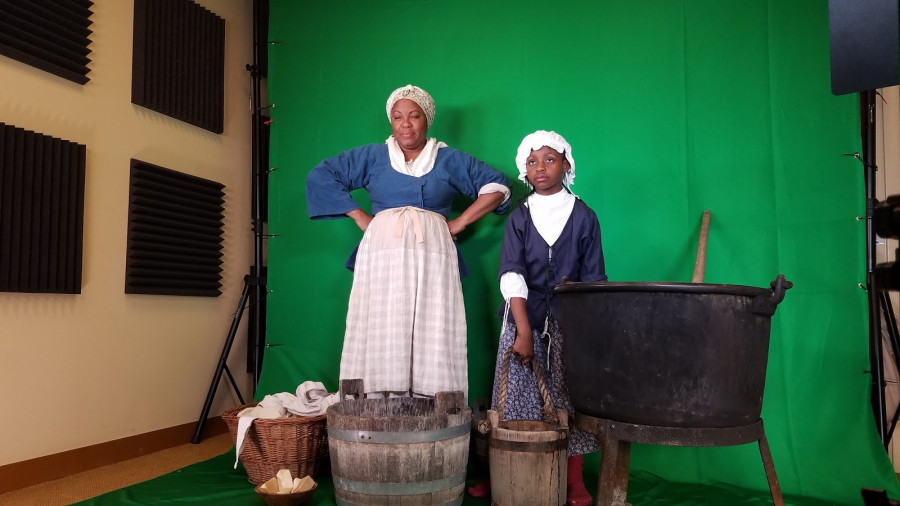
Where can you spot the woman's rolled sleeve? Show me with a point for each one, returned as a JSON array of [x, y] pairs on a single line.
[[329, 184]]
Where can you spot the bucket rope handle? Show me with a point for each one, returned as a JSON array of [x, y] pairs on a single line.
[[547, 408]]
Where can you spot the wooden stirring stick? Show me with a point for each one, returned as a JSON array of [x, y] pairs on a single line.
[[700, 262]]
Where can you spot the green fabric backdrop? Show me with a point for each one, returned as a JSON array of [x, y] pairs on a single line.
[[672, 107]]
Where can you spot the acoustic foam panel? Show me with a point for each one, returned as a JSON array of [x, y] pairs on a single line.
[[41, 212], [175, 226], [51, 35], [178, 65], [262, 37]]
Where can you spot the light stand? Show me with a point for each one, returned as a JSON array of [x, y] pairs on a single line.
[[882, 219], [259, 183], [254, 282], [222, 365], [867, 105]]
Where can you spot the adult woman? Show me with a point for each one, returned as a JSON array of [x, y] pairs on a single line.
[[406, 327]]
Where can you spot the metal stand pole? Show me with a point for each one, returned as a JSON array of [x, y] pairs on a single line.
[[256, 328], [875, 352], [223, 366], [255, 280]]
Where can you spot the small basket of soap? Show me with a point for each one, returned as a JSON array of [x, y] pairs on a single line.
[[283, 490]]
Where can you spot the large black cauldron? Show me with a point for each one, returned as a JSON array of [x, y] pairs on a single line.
[[668, 354]]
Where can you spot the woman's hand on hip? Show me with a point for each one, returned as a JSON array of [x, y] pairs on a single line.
[[361, 218], [456, 226], [483, 205]]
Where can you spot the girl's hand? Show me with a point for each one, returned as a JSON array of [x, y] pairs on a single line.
[[524, 346]]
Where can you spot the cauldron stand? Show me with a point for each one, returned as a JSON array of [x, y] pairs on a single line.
[[616, 438]]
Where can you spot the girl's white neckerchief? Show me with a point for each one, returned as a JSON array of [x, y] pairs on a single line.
[[549, 213]]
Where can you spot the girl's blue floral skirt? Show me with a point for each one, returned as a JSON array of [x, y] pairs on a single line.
[[523, 400]]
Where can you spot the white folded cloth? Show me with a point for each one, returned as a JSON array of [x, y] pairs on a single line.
[[311, 399]]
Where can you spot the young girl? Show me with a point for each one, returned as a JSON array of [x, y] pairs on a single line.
[[552, 235]]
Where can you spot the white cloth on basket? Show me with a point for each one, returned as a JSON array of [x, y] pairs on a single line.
[[311, 399]]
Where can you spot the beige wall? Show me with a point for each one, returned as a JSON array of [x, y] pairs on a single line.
[[887, 155], [77, 370]]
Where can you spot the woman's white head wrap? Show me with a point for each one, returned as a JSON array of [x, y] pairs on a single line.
[[417, 95], [536, 141]]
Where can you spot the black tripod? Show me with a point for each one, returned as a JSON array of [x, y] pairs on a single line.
[[256, 280], [879, 278], [890, 337], [222, 365]]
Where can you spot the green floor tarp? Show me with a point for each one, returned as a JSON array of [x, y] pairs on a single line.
[[214, 482]]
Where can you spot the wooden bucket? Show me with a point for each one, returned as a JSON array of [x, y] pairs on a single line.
[[528, 458], [410, 451]]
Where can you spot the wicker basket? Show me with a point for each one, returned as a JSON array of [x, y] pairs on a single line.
[[299, 444]]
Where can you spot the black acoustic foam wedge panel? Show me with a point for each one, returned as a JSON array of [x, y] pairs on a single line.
[[262, 38], [175, 226], [52, 35], [178, 65], [41, 212]]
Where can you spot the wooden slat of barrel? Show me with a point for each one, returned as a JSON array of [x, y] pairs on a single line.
[[399, 451], [529, 462], [389, 474]]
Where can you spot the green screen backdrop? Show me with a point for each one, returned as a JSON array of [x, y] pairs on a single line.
[[671, 107]]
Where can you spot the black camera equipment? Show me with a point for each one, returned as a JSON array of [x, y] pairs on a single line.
[[877, 497], [886, 278], [863, 36]]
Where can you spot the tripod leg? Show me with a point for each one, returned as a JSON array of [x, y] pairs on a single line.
[[876, 362], [234, 385], [217, 376], [890, 331]]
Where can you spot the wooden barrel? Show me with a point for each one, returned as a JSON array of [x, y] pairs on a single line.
[[398, 451], [528, 458]]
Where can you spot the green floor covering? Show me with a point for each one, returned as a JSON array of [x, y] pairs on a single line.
[[214, 482]]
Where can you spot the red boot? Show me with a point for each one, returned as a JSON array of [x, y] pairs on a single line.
[[482, 489], [576, 492]]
